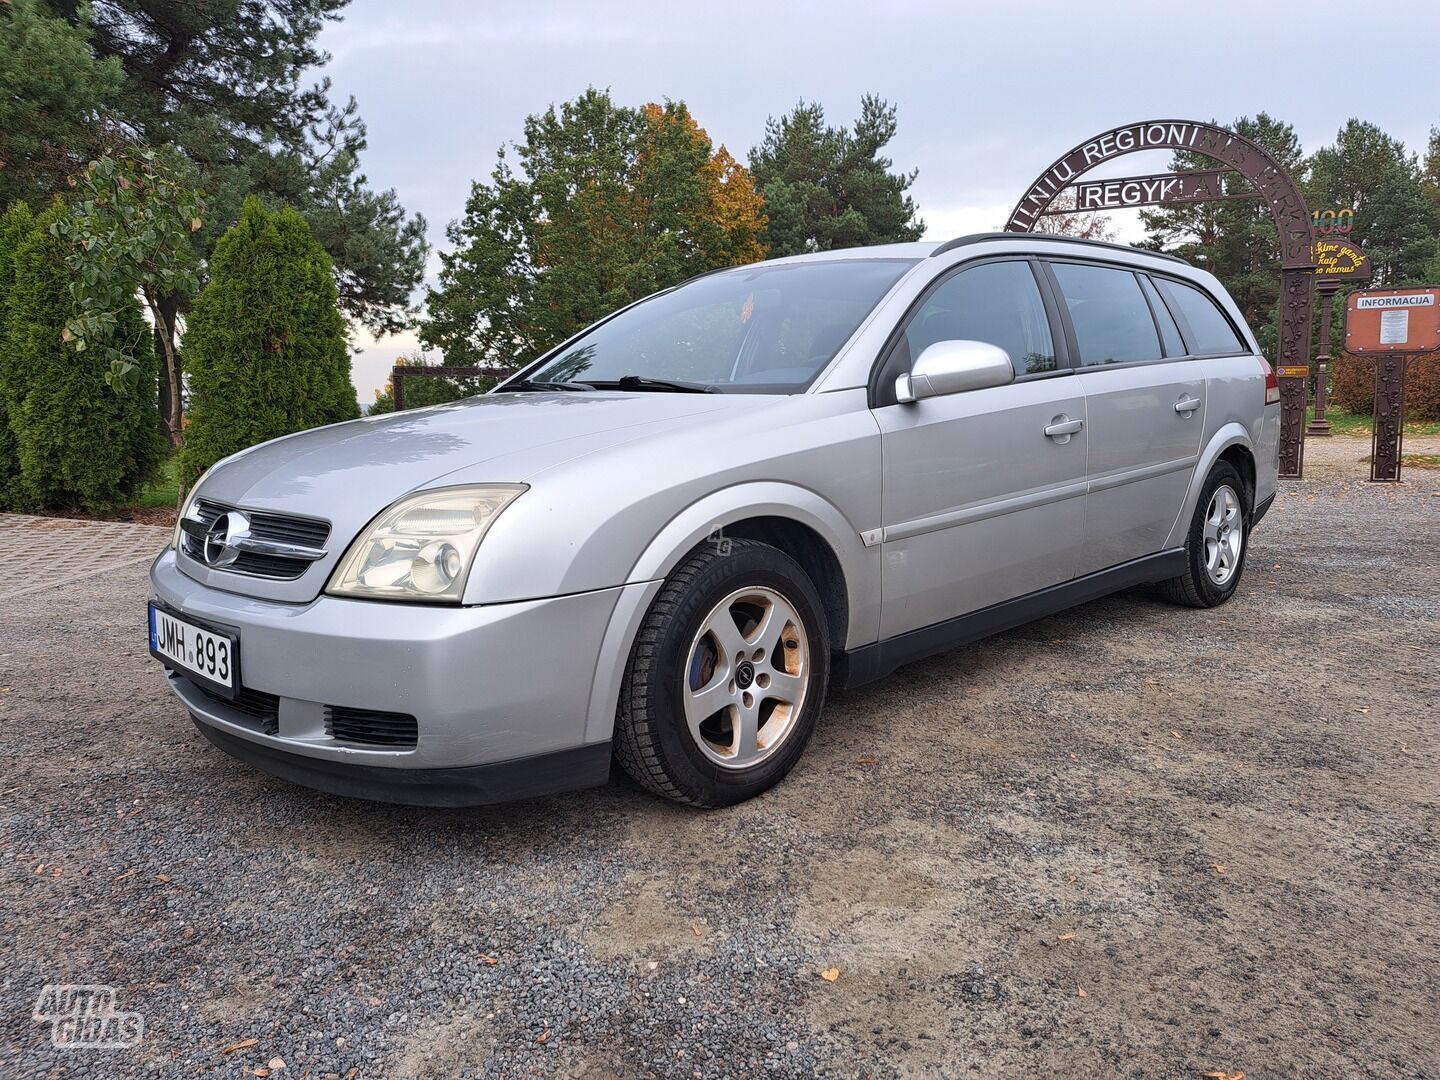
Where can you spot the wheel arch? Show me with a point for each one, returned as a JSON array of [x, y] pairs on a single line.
[[796, 520], [1232, 443]]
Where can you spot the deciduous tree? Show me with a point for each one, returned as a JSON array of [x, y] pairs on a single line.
[[606, 204]]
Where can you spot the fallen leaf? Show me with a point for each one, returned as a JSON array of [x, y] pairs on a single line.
[[241, 1045], [163, 878], [1362, 710], [128, 873], [1177, 735], [543, 1037], [1219, 868], [1217, 1074], [276, 1064], [486, 958], [830, 974], [1080, 992], [696, 930], [1066, 937]]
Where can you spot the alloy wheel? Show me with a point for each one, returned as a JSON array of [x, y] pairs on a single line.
[[745, 677], [1223, 534]]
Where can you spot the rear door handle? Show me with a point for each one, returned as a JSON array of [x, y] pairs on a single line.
[[1063, 427], [1187, 405]]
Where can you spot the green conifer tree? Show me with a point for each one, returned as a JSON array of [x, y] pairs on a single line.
[[78, 444], [265, 345]]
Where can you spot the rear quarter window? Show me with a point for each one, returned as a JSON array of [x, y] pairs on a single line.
[[1210, 330]]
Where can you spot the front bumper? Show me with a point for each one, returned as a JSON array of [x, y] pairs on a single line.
[[487, 685]]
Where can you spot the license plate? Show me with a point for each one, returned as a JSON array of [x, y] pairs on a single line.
[[199, 652]]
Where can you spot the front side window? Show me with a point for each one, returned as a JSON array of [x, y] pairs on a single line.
[[1112, 321], [765, 328], [998, 303], [1209, 329]]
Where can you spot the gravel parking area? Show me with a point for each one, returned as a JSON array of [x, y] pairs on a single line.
[[1131, 840]]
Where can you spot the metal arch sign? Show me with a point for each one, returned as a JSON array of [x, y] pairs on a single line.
[[1271, 182]]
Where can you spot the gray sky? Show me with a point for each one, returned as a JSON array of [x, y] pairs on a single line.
[[988, 94]]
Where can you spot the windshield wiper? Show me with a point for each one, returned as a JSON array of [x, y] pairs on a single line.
[[641, 382], [541, 384]]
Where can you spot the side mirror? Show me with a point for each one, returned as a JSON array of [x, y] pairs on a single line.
[[950, 367]]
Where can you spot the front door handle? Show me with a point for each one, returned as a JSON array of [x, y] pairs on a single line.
[[1187, 405], [1063, 428]]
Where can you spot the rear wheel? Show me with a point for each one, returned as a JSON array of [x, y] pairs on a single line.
[[1217, 542], [726, 679]]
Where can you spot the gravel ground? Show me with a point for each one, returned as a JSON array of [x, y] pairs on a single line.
[[1130, 840]]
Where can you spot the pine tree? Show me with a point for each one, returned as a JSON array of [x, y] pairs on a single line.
[[1235, 240], [1373, 174], [829, 187], [78, 444], [265, 344]]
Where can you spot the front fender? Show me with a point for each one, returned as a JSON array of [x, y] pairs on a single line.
[[1228, 435], [708, 517]]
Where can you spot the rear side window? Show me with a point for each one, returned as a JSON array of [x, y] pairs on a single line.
[[998, 303], [1210, 330], [1169, 332], [1112, 321]]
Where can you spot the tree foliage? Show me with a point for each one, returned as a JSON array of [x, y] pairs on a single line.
[[127, 231], [226, 82], [1235, 240], [265, 344], [607, 204], [428, 389], [1373, 174], [15, 227], [77, 443], [829, 187], [54, 97]]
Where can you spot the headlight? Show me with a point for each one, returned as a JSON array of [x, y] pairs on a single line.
[[185, 507], [422, 547]]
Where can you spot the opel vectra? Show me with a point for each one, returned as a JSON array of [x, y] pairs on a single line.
[[661, 542]]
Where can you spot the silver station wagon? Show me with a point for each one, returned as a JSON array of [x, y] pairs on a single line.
[[663, 541]]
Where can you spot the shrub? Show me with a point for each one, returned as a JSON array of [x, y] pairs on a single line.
[[15, 226], [265, 347], [1353, 386], [79, 444]]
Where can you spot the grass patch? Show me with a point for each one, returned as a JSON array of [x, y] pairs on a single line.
[[1348, 423], [164, 490]]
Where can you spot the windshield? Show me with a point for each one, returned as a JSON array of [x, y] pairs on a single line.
[[762, 329]]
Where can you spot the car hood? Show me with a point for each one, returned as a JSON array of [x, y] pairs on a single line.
[[347, 473]]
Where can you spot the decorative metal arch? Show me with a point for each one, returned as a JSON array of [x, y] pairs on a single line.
[[1287, 207]]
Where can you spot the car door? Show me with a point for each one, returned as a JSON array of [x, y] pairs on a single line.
[[1145, 409], [980, 505]]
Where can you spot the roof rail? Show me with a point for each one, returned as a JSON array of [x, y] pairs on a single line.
[[975, 238]]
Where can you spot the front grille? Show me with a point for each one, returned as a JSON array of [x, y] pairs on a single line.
[[370, 726], [305, 532], [261, 707]]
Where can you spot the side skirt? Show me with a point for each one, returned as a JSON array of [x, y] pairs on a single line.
[[871, 662]]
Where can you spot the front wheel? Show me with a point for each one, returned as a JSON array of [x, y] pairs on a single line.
[[1216, 544], [726, 678]]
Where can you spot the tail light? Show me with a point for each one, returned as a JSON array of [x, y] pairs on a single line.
[[1272, 384]]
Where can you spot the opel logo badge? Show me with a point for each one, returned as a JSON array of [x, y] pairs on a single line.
[[222, 542]]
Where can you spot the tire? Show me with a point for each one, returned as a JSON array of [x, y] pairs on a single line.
[[666, 737], [1214, 551]]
